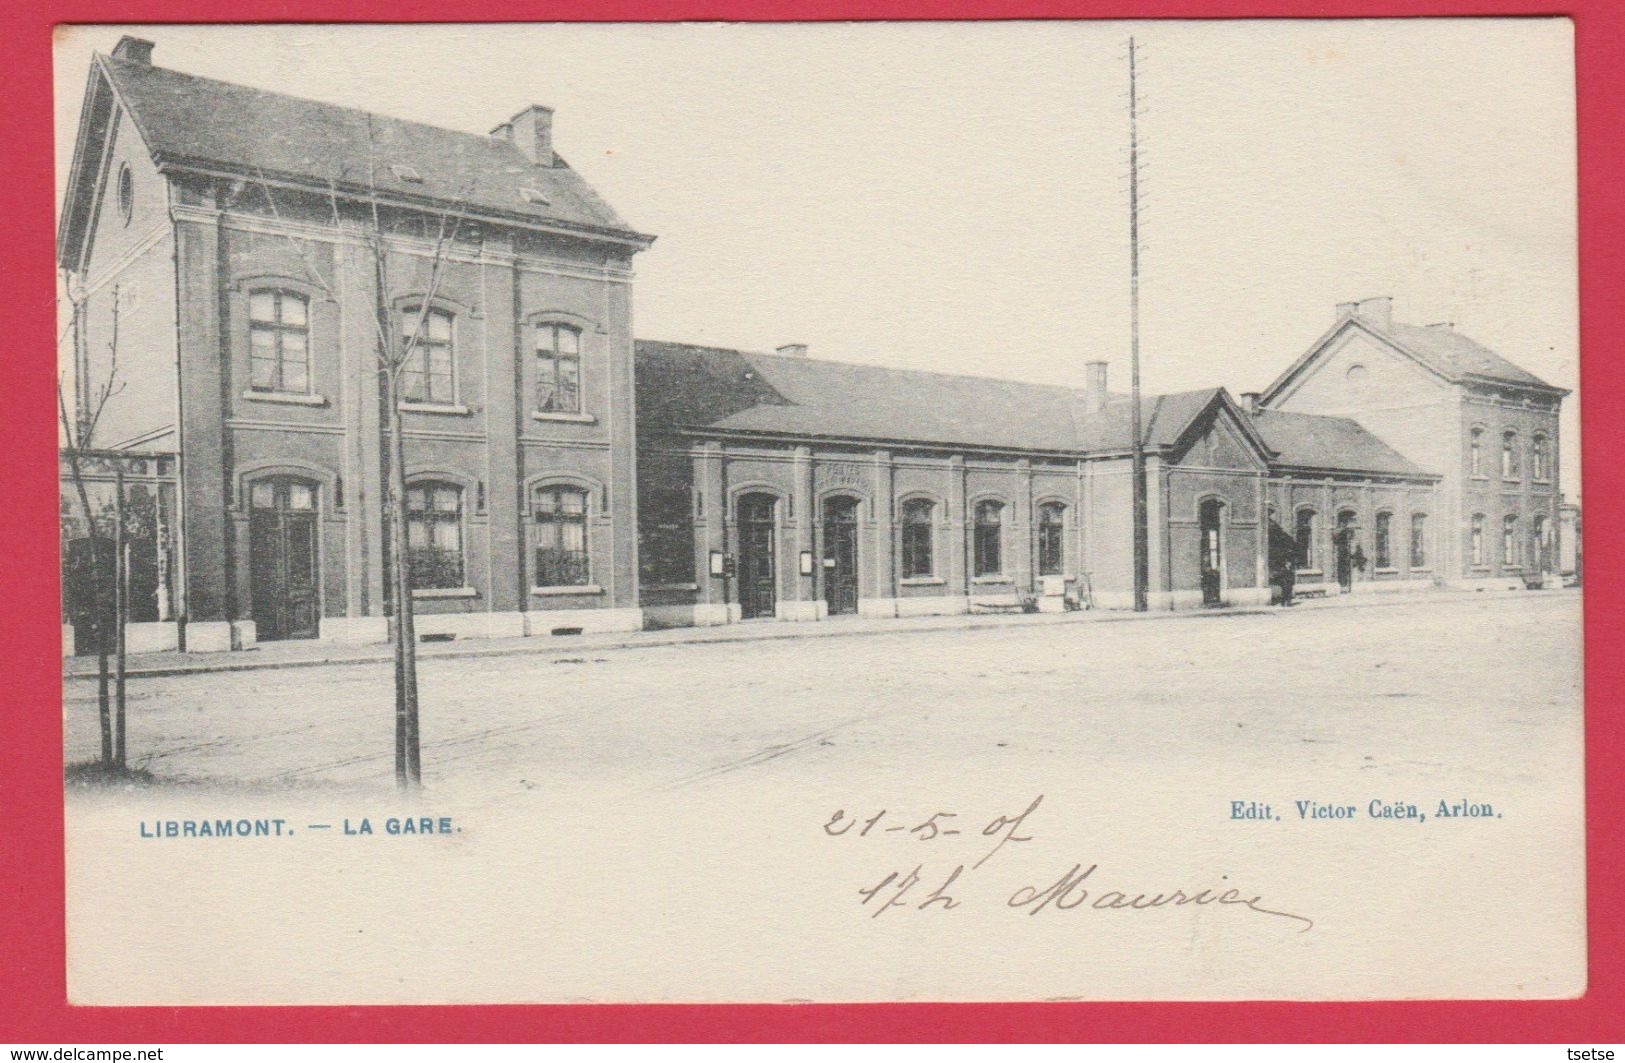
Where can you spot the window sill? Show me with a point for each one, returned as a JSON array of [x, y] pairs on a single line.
[[1301, 572], [991, 579], [289, 398], [921, 581], [1385, 571], [671, 586], [445, 592], [1419, 570], [444, 409], [583, 588], [568, 418]]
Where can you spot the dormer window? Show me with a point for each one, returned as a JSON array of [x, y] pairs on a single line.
[[533, 195], [406, 173]]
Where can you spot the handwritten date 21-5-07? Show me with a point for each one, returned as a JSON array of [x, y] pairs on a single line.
[[921, 889]]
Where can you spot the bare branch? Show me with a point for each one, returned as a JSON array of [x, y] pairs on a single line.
[[298, 245]]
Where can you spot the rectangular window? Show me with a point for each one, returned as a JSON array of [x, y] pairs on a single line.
[[1384, 534], [1419, 541], [988, 539], [278, 342], [434, 535], [918, 515], [560, 537], [1476, 540], [1051, 539], [428, 375], [1304, 540], [558, 369]]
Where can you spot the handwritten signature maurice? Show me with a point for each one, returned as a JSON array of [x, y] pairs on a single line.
[[909, 889]]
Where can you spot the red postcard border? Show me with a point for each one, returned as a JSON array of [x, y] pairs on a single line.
[[33, 1005]]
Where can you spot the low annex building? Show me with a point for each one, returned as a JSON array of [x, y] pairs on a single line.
[[243, 256], [847, 488]]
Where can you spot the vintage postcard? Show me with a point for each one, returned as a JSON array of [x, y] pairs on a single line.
[[820, 512]]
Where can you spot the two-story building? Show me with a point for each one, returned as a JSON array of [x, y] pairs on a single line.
[[258, 254], [1454, 407]]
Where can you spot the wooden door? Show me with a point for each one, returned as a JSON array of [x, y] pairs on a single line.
[[841, 555], [1212, 562], [283, 559], [758, 592]]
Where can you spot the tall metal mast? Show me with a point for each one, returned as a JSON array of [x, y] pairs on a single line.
[[1142, 567]]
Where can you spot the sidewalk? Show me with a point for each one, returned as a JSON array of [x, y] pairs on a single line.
[[309, 653]]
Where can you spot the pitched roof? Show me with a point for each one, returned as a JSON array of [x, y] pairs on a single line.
[[686, 386], [1453, 355], [186, 119], [1315, 441]]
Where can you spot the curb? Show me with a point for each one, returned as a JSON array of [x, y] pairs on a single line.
[[795, 631]]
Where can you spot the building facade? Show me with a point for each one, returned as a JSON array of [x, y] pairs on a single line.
[[244, 263], [1487, 427], [256, 252]]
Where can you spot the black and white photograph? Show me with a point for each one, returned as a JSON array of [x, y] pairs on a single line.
[[820, 512]]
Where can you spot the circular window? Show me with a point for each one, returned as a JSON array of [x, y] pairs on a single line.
[[126, 193], [1358, 376]]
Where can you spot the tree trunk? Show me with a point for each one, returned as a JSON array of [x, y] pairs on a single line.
[[408, 763], [100, 635], [121, 613]]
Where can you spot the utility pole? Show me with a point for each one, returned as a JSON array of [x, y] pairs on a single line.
[[1142, 566]]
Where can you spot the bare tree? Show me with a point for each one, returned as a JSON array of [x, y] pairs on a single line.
[[393, 358], [78, 438]]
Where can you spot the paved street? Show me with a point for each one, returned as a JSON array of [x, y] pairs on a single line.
[[614, 809], [1355, 686]]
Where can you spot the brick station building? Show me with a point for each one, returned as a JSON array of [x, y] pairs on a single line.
[[562, 478]]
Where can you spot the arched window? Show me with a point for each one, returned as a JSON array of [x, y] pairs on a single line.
[[1510, 548], [1476, 540], [1540, 458], [918, 516], [988, 555], [560, 542], [434, 534], [429, 374], [558, 368], [1419, 540], [278, 341], [1509, 454], [1303, 535], [1051, 538], [1384, 537], [1475, 452]]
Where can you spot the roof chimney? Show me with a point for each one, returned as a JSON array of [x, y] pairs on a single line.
[[1346, 310], [531, 131], [792, 350], [1378, 311], [1094, 386], [133, 50], [1249, 402]]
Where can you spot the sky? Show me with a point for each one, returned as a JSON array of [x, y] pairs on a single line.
[[954, 196]]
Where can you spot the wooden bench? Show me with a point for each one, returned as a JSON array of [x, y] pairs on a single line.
[[1010, 602]]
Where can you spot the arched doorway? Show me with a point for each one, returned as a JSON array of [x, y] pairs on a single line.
[[841, 555], [758, 575], [1210, 522], [282, 557]]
